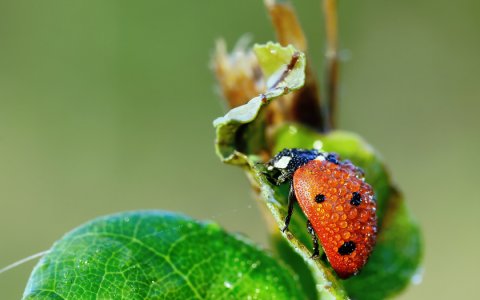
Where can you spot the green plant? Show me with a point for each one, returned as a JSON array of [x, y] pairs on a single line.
[[159, 255]]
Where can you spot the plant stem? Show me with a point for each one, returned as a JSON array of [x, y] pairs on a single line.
[[331, 28]]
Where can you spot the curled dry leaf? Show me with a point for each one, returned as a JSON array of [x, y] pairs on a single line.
[[237, 73], [240, 78]]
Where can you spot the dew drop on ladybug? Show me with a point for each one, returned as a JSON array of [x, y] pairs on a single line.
[[338, 203]]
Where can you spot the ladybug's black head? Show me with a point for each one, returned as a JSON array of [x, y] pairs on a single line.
[[282, 166]]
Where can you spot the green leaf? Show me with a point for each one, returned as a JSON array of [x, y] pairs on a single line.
[[157, 255], [398, 252], [237, 144]]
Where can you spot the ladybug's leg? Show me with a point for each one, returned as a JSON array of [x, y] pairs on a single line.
[[291, 201], [314, 239]]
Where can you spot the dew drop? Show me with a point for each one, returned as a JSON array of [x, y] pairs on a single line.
[[353, 213], [417, 278], [317, 145], [291, 129], [335, 217], [363, 215]]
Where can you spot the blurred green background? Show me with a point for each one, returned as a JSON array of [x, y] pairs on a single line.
[[107, 106]]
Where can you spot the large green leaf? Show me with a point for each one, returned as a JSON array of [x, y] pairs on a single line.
[[157, 255]]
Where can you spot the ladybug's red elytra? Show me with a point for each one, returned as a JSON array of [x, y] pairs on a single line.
[[340, 206]]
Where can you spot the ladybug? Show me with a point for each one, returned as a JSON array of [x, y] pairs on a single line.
[[339, 205]]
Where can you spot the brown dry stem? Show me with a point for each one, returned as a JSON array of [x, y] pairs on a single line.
[[237, 73], [303, 106], [331, 28]]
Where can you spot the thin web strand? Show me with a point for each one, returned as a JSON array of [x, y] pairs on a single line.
[[23, 260]]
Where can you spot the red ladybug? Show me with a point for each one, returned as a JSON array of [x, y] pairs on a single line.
[[339, 205]]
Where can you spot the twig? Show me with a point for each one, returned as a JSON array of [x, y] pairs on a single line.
[[286, 24], [331, 28]]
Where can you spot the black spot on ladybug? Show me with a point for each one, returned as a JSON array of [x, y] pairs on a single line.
[[356, 199], [332, 158], [319, 198], [347, 248]]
